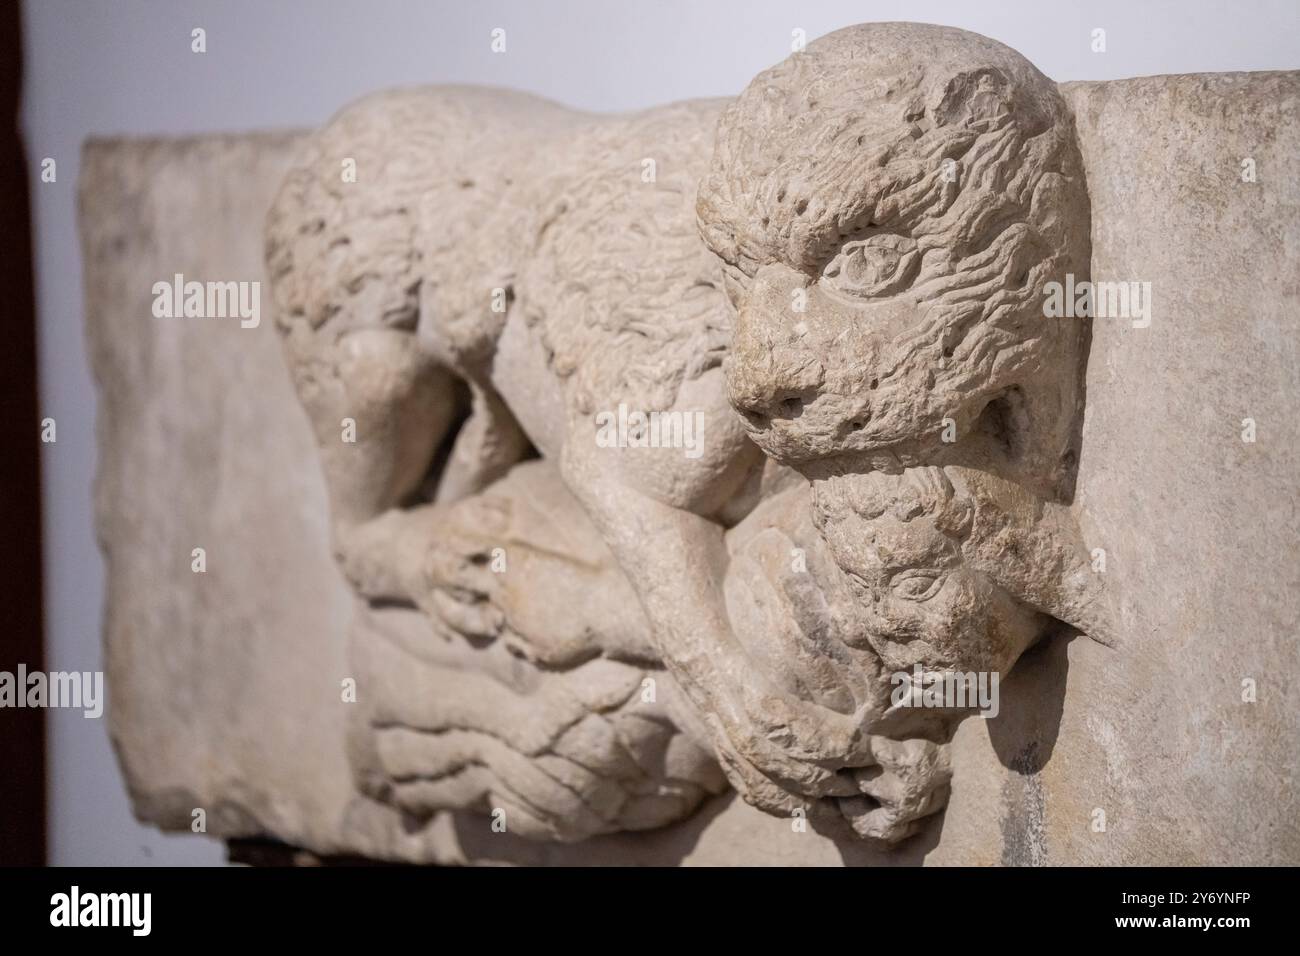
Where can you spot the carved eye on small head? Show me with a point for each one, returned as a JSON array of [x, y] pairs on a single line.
[[862, 585], [916, 584], [876, 266]]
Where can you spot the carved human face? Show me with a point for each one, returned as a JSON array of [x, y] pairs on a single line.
[[922, 595], [924, 604]]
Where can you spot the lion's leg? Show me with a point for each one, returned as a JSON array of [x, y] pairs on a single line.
[[649, 504], [488, 445], [380, 407]]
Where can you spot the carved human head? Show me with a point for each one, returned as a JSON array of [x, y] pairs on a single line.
[[834, 594], [898, 540], [949, 568]]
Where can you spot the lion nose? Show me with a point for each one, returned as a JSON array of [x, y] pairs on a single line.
[[769, 380], [761, 406]]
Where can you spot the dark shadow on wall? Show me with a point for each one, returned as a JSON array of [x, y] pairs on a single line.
[[22, 731], [1024, 736]]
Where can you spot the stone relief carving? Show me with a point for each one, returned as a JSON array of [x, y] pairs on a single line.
[[838, 275], [536, 691]]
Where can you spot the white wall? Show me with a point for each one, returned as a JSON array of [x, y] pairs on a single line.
[[125, 67]]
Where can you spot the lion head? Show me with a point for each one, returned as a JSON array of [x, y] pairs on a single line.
[[887, 206]]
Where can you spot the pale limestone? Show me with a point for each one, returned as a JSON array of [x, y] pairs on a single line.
[[617, 577]]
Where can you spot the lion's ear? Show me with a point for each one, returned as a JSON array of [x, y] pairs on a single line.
[[982, 96], [1084, 604]]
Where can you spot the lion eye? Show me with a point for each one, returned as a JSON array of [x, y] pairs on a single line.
[[916, 585], [875, 266]]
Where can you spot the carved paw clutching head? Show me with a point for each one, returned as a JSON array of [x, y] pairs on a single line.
[[821, 739], [836, 594], [908, 783]]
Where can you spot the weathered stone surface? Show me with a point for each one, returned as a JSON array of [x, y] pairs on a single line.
[[659, 619], [210, 706], [1200, 527]]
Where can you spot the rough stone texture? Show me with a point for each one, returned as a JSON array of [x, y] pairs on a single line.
[[1127, 698], [1201, 528], [916, 278]]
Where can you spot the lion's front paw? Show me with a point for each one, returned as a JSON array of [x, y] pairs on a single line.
[[910, 782]]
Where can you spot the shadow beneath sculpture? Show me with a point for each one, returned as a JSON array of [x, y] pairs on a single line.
[[669, 846], [1024, 737]]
